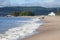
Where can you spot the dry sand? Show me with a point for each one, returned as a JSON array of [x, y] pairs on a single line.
[[48, 31]]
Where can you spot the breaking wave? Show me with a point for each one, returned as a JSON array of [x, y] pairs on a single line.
[[27, 28]]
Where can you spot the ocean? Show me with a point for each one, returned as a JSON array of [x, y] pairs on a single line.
[[17, 28]]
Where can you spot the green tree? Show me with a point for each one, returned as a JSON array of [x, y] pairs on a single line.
[[58, 12], [15, 13], [26, 13]]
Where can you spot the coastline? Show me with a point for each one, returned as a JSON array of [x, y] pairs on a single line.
[[48, 31], [19, 32]]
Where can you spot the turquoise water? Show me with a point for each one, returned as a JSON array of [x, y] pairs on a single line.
[[13, 28]]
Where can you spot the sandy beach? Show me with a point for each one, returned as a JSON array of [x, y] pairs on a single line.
[[48, 31]]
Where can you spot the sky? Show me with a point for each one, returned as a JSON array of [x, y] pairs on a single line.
[[43, 3]]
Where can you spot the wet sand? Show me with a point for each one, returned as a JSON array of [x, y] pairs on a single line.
[[48, 31]]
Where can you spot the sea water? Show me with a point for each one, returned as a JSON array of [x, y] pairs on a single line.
[[17, 28]]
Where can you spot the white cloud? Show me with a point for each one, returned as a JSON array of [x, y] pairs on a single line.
[[48, 1], [4, 3], [45, 3]]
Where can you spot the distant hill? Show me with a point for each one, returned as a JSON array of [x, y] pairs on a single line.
[[36, 10]]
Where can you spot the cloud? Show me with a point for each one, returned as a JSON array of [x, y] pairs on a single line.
[[48, 1], [4, 3], [44, 3]]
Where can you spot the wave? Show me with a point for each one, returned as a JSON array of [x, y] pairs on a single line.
[[21, 32]]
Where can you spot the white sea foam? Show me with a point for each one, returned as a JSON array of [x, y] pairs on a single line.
[[22, 31]]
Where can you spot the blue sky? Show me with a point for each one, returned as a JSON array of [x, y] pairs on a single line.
[[44, 3]]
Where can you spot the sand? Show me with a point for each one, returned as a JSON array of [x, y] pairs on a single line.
[[48, 31]]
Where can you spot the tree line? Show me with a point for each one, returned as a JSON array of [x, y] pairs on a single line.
[[27, 13], [58, 13], [24, 13]]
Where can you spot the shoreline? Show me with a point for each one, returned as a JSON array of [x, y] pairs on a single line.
[[48, 31]]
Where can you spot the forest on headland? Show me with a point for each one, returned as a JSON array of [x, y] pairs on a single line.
[[24, 13], [27, 11]]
